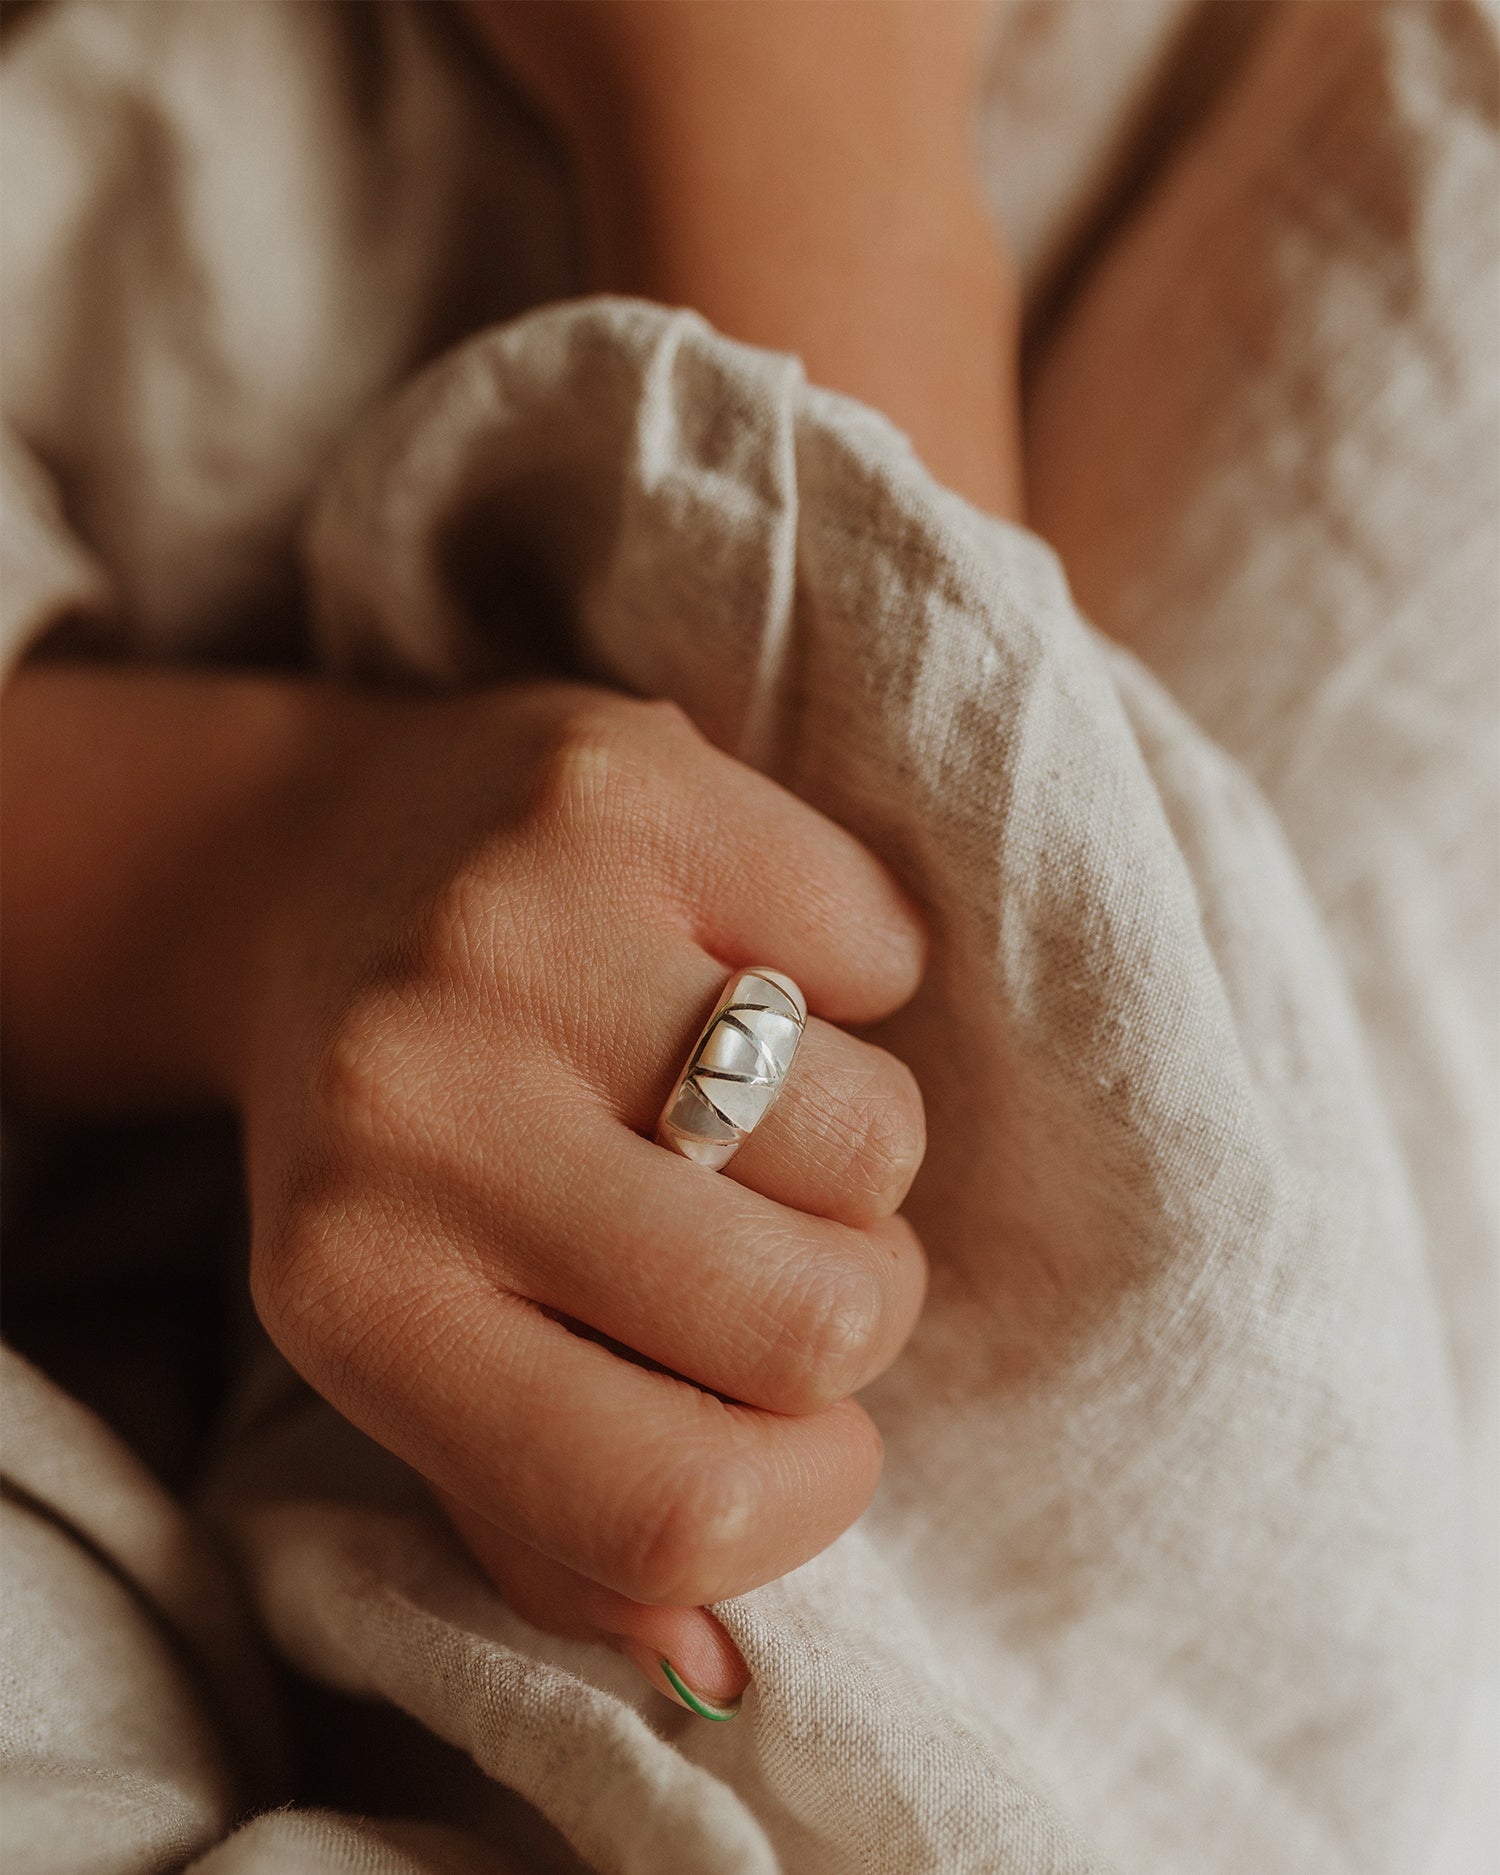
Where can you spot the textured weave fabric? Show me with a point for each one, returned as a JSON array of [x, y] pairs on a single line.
[[1174, 1563]]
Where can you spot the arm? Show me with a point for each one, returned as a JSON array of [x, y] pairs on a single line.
[[292, 899], [143, 822], [802, 175]]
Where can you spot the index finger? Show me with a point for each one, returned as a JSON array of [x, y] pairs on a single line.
[[783, 884]]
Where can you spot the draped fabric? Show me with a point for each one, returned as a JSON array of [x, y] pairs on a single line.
[[1183, 1558]]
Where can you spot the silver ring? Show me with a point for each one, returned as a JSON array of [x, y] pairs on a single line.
[[737, 1069]]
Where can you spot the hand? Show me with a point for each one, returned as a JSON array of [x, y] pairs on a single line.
[[628, 1377], [446, 958]]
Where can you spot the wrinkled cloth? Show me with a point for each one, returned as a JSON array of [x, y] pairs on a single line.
[[1180, 1561]]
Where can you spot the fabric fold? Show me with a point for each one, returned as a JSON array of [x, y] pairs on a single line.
[[1167, 1570], [1179, 1282]]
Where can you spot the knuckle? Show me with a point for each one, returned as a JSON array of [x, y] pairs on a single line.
[[613, 795], [360, 1083], [340, 1310], [830, 1334], [455, 942], [601, 763], [868, 1129], [683, 1542], [893, 1130], [295, 1280], [661, 716], [577, 774]]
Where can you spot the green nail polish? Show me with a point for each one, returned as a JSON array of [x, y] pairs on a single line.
[[689, 1698]]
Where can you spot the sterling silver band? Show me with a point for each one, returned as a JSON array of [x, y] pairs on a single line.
[[737, 1069]]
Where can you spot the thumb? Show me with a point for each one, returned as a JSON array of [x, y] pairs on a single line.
[[684, 1652]]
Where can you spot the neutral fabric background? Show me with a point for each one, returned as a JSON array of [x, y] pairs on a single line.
[[1179, 1563]]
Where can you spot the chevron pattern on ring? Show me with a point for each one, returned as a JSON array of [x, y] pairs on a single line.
[[739, 1065]]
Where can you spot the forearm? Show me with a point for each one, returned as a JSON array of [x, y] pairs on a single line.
[[802, 175], [143, 816]]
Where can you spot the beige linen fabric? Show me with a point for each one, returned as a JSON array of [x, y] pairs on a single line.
[[1168, 1572], [1312, 569]]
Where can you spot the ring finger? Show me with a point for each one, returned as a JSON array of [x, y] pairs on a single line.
[[844, 1138]]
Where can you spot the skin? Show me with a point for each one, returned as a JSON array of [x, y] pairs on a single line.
[[802, 173], [446, 958]]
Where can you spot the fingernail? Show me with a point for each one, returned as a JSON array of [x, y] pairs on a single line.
[[668, 1681], [695, 1702]]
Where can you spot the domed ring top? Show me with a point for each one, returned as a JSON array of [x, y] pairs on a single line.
[[737, 1069]]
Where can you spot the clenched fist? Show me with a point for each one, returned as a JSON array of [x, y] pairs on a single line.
[[447, 958], [510, 916]]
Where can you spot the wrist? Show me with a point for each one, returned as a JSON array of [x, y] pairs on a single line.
[[150, 828], [248, 890]]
